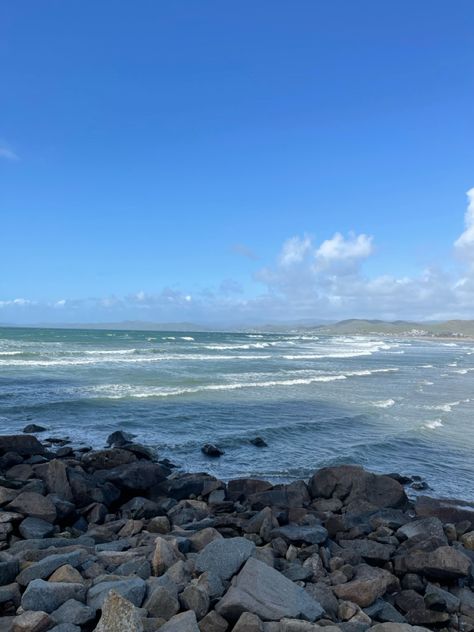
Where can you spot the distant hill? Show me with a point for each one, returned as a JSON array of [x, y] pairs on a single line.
[[449, 328]]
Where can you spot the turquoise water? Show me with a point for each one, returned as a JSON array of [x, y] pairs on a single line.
[[389, 404]]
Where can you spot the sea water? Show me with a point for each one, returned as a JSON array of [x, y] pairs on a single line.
[[389, 404]]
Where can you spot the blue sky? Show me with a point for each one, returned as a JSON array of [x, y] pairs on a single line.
[[225, 162]]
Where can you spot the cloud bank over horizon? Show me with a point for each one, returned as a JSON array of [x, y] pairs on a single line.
[[308, 280]]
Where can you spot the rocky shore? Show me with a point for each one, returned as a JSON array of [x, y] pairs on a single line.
[[116, 540]]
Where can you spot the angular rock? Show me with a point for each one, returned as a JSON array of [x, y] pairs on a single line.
[[213, 622], [368, 585], [162, 603], [8, 571], [445, 562], [369, 550], [54, 474], [313, 534], [447, 510], [396, 627], [107, 459], [46, 566], [35, 505], [133, 589], [241, 488], [139, 476], [265, 592], [74, 612], [66, 573], [48, 596], [32, 428], [164, 556], [248, 622], [119, 615], [195, 598], [24, 445], [224, 557], [209, 449], [31, 622], [119, 438], [184, 622], [352, 484]]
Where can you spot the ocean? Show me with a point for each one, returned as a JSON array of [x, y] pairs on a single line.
[[389, 404]]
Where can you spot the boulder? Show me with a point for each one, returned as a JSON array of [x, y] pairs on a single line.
[[119, 615], [369, 584], [183, 622], [107, 459], [445, 563], [24, 445], [422, 528], [447, 510], [32, 428], [353, 485], [48, 596], [209, 449], [306, 534], [259, 442], [162, 603], [396, 627], [31, 621], [133, 589], [213, 622], [74, 612], [242, 488], [181, 486], [35, 528], [35, 505], [138, 476], [119, 438], [224, 557], [195, 598], [164, 556], [54, 474], [248, 622], [66, 573], [264, 591], [45, 567], [369, 550], [9, 569]]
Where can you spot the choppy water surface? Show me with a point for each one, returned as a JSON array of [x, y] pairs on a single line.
[[388, 404]]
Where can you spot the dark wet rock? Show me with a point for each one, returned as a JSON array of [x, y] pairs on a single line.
[[35, 528], [355, 486], [35, 505], [308, 534], [436, 598], [24, 445], [162, 603], [447, 510], [119, 438], [384, 612], [242, 488], [133, 589], [54, 475], [195, 597], [424, 527], [265, 592], [136, 477], [284, 496], [48, 596], [224, 557], [181, 486], [210, 449], [213, 622], [248, 622], [368, 585], [107, 459], [32, 428], [259, 442]]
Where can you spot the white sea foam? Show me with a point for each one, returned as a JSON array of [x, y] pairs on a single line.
[[431, 425], [236, 347], [445, 408], [384, 403], [169, 338], [11, 353], [426, 366], [186, 338]]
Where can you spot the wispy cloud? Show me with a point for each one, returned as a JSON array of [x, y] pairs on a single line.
[[8, 154], [244, 251]]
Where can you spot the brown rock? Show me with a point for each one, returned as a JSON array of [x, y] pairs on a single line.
[[33, 504], [369, 584], [119, 615], [66, 573], [164, 556], [32, 621]]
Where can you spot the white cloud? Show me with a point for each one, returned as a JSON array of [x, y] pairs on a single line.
[[465, 244], [341, 249], [8, 154], [294, 250]]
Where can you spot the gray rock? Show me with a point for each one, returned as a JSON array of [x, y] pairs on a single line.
[[445, 562], [65, 627], [195, 598], [384, 612], [248, 622], [213, 622], [48, 596], [162, 603], [265, 592], [54, 474], [425, 527], [224, 557], [132, 589], [74, 612], [369, 550], [396, 627], [368, 585], [439, 599], [31, 428], [313, 534], [8, 571], [119, 615], [119, 438], [33, 504], [183, 622], [35, 528], [46, 566], [10, 592]]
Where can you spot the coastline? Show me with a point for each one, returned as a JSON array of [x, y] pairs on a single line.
[[115, 540]]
